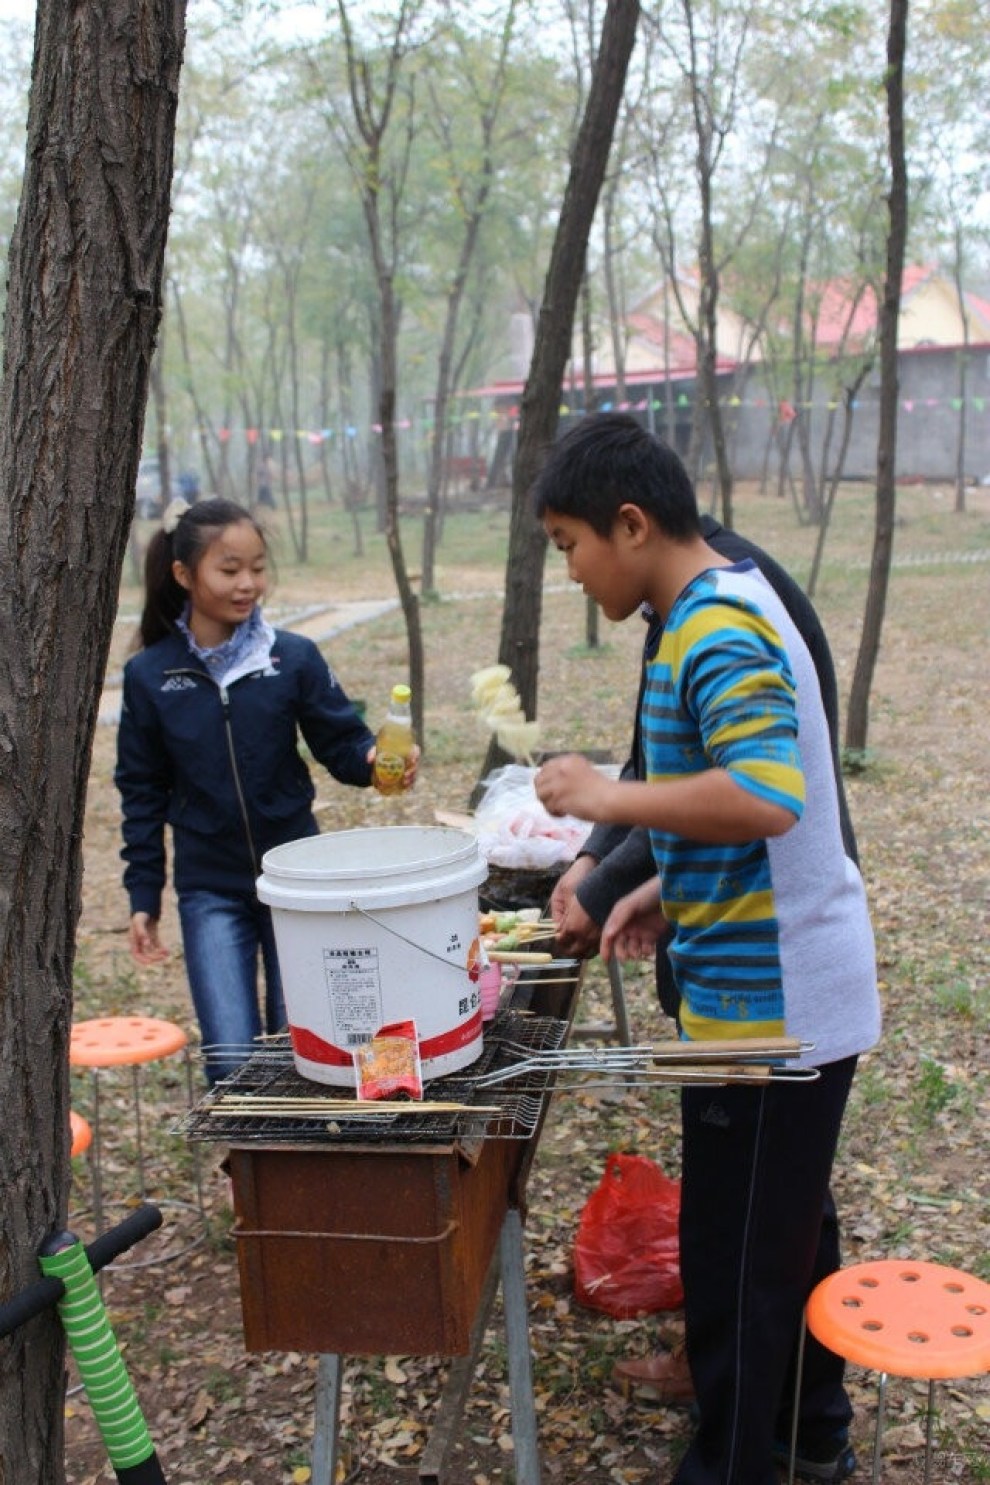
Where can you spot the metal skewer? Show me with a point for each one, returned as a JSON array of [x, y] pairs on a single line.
[[746, 1059]]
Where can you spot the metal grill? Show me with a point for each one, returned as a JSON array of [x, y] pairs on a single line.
[[267, 1100]]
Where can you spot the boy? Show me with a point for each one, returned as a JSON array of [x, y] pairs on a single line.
[[769, 931]]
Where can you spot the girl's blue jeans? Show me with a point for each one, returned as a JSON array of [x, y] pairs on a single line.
[[221, 936]]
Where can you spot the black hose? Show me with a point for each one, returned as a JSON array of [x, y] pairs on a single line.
[[44, 1294]]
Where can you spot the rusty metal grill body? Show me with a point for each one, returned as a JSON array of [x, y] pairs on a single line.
[[376, 1239]]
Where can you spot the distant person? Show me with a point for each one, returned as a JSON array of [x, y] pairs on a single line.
[[266, 484], [213, 703], [189, 486], [768, 927]]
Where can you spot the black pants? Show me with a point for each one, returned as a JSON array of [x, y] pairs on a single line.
[[758, 1231]]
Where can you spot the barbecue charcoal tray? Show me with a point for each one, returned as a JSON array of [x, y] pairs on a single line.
[[507, 888], [267, 1100]]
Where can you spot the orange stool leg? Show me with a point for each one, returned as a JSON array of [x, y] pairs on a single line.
[[130, 1041]]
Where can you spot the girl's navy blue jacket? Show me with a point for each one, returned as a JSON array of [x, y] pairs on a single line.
[[221, 765]]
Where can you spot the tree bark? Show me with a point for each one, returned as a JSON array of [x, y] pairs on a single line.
[[857, 721], [85, 298], [473, 198], [381, 188], [540, 404], [957, 278]]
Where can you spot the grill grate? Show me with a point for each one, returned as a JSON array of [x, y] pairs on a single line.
[[262, 1101]]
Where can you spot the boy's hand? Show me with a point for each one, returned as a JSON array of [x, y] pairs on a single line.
[[567, 884], [575, 931], [570, 785], [577, 934], [635, 925]]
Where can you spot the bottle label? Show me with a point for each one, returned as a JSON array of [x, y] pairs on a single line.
[[389, 769]]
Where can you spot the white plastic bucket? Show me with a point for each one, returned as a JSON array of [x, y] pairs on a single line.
[[373, 926]]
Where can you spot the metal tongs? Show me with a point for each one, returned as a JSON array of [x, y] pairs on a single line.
[[736, 1060]]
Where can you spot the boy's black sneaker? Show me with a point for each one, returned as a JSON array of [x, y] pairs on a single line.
[[831, 1462]]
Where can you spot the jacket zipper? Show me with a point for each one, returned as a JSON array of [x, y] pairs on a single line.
[[228, 729], [225, 702]]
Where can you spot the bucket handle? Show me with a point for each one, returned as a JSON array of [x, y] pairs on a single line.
[[240, 1231], [440, 958]]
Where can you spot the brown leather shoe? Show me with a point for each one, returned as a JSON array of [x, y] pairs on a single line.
[[664, 1377]]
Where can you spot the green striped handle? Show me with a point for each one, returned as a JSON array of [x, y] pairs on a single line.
[[94, 1346]]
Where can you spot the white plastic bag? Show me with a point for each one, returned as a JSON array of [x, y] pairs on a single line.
[[515, 830]]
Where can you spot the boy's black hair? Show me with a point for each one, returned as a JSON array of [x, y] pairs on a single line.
[[609, 460]]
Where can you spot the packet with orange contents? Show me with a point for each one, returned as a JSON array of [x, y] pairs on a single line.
[[389, 1063]]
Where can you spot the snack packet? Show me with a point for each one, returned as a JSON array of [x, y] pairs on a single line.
[[389, 1063]]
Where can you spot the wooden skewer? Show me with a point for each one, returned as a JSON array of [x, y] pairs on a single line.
[[716, 1048], [708, 1073], [547, 980], [346, 1108], [544, 929], [332, 1102], [518, 956], [514, 913]]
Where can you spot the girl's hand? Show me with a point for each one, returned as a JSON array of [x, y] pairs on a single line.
[[144, 942], [635, 925], [411, 768]]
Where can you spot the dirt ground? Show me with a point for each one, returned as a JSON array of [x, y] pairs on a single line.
[[912, 1177]]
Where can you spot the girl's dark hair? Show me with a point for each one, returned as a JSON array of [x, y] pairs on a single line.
[[196, 529], [609, 460]]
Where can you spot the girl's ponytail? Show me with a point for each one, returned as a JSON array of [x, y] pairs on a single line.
[[185, 533], [164, 599]]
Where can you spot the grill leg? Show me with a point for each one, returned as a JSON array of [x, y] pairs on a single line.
[[327, 1422], [453, 1399], [510, 1248], [619, 1011]]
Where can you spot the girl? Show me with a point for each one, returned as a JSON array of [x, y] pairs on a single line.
[[208, 743]]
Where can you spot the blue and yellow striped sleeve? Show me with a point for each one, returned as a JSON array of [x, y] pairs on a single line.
[[733, 671]]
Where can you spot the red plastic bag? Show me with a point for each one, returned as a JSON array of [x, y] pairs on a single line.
[[626, 1254]]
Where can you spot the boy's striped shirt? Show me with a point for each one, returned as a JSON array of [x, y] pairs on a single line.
[[722, 692]]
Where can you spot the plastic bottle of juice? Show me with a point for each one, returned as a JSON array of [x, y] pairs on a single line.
[[394, 743]]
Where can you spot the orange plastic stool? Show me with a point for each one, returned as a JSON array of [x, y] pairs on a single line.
[[131, 1041], [80, 1132], [906, 1319]]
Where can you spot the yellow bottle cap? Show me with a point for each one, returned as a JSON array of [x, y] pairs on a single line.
[[401, 693]]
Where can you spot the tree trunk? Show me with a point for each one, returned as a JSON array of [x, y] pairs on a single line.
[[390, 460], [324, 444], [540, 404], [591, 627], [204, 428], [473, 198], [372, 103], [957, 276], [850, 393], [290, 277], [85, 298], [353, 489], [165, 480], [857, 721]]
